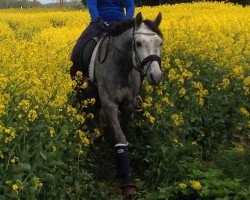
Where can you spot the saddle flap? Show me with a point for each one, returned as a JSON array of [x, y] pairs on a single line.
[[86, 53]]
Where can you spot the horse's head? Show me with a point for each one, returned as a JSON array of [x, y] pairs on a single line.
[[147, 40]]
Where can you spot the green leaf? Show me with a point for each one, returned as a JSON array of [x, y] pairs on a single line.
[[43, 155], [21, 167], [48, 177]]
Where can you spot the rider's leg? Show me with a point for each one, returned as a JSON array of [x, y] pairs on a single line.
[[89, 32], [91, 91]]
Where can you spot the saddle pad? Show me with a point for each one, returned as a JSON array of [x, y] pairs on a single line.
[[92, 62]]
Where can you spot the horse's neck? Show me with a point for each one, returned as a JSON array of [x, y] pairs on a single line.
[[123, 44], [123, 41]]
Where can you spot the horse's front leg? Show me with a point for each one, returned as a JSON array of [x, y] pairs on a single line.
[[125, 117], [125, 180]]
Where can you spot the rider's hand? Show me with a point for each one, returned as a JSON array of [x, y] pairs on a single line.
[[102, 25]]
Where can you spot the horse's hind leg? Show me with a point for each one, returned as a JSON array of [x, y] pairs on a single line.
[[125, 179]]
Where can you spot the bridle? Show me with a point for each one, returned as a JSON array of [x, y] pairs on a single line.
[[149, 59], [139, 64]]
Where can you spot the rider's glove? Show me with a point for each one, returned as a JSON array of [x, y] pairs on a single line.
[[102, 25]]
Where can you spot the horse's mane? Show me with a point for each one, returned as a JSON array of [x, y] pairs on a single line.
[[118, 28]]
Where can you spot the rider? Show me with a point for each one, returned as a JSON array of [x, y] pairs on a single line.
[[103, 13]]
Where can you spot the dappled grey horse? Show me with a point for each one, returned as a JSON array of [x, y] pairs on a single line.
[[128, 52]]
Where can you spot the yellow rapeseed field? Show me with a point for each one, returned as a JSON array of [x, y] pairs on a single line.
[[200, 41], [36, 45]]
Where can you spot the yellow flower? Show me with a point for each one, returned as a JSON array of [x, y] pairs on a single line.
[[158, 108], [92, 101], [166, 101], [83, 137], [238, 70], [84, 85], [239, 148], [247, 81], [51, 132], [54, 148], [244, 112], [201, 102], [18, 186], [10, 134], [176, 119], [14, 160], [187, 74], [149, 89], [85, 141], [15, 187], [36, 182], [149, 117], [196, 185], [97, 133], [225, 83], [24, 105], [80, 118], [32, 115], [2, 110], [197, 85], [182, 186], [182, 92], [80, 133], [172, 74], [175, 140]]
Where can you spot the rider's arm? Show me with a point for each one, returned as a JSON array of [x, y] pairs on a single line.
[[92, 6], [130, 8]]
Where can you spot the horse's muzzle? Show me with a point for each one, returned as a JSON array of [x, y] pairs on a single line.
[[154, 74], [155, 81]]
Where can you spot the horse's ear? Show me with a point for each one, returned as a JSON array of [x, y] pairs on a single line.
[[158, 19], [138, 19]]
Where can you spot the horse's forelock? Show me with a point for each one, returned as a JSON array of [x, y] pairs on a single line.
[[152, 26]]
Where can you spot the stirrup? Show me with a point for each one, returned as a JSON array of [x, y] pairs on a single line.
[[138, 104]]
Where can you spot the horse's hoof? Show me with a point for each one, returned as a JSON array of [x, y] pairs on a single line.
[[129, 191]]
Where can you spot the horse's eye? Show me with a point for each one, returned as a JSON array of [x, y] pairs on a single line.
[[138, 44]]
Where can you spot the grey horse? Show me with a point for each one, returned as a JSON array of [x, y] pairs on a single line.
[[129, 51]]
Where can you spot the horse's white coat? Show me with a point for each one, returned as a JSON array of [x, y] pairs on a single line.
[[150, 44]]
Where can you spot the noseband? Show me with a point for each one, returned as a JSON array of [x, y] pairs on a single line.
[[149, 59]]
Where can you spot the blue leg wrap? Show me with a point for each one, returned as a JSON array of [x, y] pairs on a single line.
[[123, 165]]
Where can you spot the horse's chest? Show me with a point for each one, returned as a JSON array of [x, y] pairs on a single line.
[[127, 92]]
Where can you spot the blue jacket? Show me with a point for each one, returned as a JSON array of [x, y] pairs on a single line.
[[111, 10]]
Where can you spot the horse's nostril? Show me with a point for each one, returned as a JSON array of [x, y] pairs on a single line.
[[151, 76]]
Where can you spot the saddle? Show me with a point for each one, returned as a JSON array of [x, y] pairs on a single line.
[[87, 51]]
